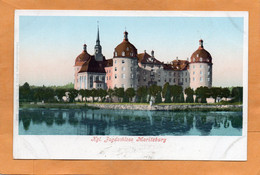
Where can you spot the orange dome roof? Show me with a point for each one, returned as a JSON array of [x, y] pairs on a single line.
[[201, 55], [83, 57], [125, 49]]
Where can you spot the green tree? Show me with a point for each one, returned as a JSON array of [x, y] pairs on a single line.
[[142, 94], [25, 92], [189, 93], [73, 93], [176, 92], [130, 93], [167, 96], [60, 93], [158, 98], [215, 92], [93, 94], [225, 92], [110, 93], [102, 94], [165, 89], [119, 93], [237, 94], [202, 93]]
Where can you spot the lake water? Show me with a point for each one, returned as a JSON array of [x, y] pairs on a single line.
[[128, 122]]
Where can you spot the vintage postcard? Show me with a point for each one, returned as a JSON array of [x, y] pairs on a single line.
[[130, 85]]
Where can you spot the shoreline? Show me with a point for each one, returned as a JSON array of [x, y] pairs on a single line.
[[142, 106]]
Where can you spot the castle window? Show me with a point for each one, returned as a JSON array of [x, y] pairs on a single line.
[[123, 86], [170, 79], [201, 79], [115, 61], [208, 73], [115, 76], [123, 53], [116, 54], [200, 59], [193, 72], [193, 66], [123, 76], [132, 75], [123, 61], [186, 80], [131, 85], [109, 77], [170, 74], [115, 69], [123, 68], [103, 78], [197, 55], [200, 66], [193, 79], [131, 54], [194, 59], [131, 68], [97, 78], [201, 73], [127, 49], [174, 80], [186, 74], [208, 79]]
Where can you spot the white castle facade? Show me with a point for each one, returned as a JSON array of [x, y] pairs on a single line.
[[128, 69]]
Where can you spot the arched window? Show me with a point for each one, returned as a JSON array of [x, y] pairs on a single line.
[[200, 59], [116, 54], [123, 53]]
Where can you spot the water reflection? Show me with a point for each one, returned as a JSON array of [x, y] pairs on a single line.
[[126, 122]]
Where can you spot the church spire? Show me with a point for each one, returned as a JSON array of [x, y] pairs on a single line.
[[98, 41], [98, 48]]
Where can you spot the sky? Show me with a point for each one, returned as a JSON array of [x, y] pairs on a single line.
[[49, 45]]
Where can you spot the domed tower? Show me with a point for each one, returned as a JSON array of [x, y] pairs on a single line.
[[125, 64], [200, 68], [80, 60]]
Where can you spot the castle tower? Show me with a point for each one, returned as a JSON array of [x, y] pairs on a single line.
[[200, 68], [125, 65], [98, 48], [80, 60]]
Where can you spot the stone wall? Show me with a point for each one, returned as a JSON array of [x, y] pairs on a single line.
[[167, 107]]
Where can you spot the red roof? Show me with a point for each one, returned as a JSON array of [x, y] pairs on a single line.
[[145, 58], [93, 66]]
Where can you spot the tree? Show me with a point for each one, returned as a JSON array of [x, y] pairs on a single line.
[[73, 93], [164, 89], [110, 93], [142, 94], [82, 93], [60, 93], [168, 96], [130, 93], [93, 94], [154, 90], [176, 92], [25, 92], [158, 98], [189, 92], [225, 92], [102, 94], [119, 93], [237, 94], [215, 92], [202, 93]]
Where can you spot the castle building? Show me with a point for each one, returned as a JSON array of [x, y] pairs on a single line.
[[128, 69]]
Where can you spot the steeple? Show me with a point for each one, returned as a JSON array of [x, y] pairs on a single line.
[[98, 41], [125, 36], [201, 44], [98, 48]]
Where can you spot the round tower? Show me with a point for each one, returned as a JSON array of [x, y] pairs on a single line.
[[125, 65], [200, 68]]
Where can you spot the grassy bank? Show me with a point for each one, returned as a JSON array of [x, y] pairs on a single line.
[[57, 106]]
